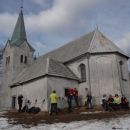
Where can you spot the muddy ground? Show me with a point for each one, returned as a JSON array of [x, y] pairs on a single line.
[[77, 115]]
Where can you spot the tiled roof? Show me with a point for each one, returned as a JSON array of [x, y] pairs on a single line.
[[44, 67], [94, 42]]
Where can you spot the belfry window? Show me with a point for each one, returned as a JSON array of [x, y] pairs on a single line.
[[82, 72], [25, 60], [7, 60], [21, 59]]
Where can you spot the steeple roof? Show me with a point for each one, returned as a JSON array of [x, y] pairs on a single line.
[[19, 34]]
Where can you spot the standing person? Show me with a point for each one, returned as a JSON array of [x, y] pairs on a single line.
[[53, 100], [59, 104], [76, 97], [69, 100], [88, 102], [20, 101]]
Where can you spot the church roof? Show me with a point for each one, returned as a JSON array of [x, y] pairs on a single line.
[[42, 68], [19, 34], [93, 42]]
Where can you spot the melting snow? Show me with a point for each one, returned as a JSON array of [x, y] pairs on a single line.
[[110, 124]]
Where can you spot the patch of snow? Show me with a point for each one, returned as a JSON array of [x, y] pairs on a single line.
[[107, 124], [84, 113]]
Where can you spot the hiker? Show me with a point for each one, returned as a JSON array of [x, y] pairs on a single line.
[[27, 106], [34, 109], [104, 102], [117, 102], [110, 103], [76, 98], [124, 102], [20, 101], [53, 100], [89, 101], [69, 100], [59, 104]]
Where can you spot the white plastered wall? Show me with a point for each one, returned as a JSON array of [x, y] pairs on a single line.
[[104, 76], [59, 85], [74, 66], [125, 83], [36, 89]]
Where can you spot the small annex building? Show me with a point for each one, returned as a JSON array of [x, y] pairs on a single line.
[[91, 61]]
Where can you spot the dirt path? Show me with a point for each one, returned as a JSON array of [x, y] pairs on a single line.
[[77, 115]]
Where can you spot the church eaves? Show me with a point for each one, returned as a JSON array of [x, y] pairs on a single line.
[[19, 34]]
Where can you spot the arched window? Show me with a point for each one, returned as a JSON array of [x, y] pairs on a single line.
[[82, 72]]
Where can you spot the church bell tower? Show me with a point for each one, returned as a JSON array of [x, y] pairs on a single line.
[[17, 55]]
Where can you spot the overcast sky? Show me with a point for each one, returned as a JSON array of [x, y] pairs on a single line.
[[52, 23]]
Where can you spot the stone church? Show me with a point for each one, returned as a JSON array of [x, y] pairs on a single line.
[[91, 61]]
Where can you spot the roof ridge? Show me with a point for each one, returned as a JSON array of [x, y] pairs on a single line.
[[90, 47], [47, 65]]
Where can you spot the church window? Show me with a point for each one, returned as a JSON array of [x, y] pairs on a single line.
[[21, 59], [83, 72], [7, 60], [25, 60]]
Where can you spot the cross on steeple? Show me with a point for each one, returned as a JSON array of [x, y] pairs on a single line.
[[21, 4]]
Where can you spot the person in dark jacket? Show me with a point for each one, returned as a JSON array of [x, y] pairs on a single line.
[[89, 100], [20, 101], [124, 102], [76, 97], [69, 100]]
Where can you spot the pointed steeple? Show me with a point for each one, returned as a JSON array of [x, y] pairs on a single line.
[[19, 34]]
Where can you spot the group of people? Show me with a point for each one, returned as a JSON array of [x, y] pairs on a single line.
[[58, 103], [114, 103], [27, 107], [72, 94]]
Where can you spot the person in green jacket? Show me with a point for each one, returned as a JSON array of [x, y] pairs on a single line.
[[117, 102], [53, 100]]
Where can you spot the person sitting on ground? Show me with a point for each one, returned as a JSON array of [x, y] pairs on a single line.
[[34, 109], [110, 103], [124, 102], [117, 102], [104, 102], [27, 106]]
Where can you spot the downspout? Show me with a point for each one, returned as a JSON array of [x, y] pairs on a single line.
[[119, 73], [89, 81]]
